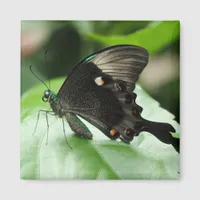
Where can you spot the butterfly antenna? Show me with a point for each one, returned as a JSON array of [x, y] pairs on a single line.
[[47, 66], [30, 67]]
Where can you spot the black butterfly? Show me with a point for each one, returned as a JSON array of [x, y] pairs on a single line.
[[100, 90]]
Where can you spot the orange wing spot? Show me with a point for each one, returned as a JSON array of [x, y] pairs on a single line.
[[113, 132]]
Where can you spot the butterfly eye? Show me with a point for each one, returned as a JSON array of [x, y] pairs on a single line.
[[46, 96]]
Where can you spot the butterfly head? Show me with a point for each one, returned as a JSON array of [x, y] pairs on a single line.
[[49, 96]]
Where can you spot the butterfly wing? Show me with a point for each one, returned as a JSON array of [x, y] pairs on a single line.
[[122, 62], [100, 90]]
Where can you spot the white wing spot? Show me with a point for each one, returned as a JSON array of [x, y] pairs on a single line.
[[99, 81]]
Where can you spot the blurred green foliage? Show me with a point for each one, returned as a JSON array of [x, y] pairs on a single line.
[[68, 42]]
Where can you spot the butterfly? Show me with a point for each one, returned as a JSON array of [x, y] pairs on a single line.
[[100, 89]]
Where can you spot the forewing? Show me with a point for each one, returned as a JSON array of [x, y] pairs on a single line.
[[122, 63]]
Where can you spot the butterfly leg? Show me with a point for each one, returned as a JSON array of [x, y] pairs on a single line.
[[38, 116], [78, 126], [47, 128]]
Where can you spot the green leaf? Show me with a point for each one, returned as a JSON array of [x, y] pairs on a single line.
[[145, 158], [154, 37], [176, 135]]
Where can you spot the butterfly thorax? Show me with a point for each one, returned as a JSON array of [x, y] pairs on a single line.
[[51, 97]]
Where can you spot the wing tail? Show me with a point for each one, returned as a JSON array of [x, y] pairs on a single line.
[[160, 130]]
